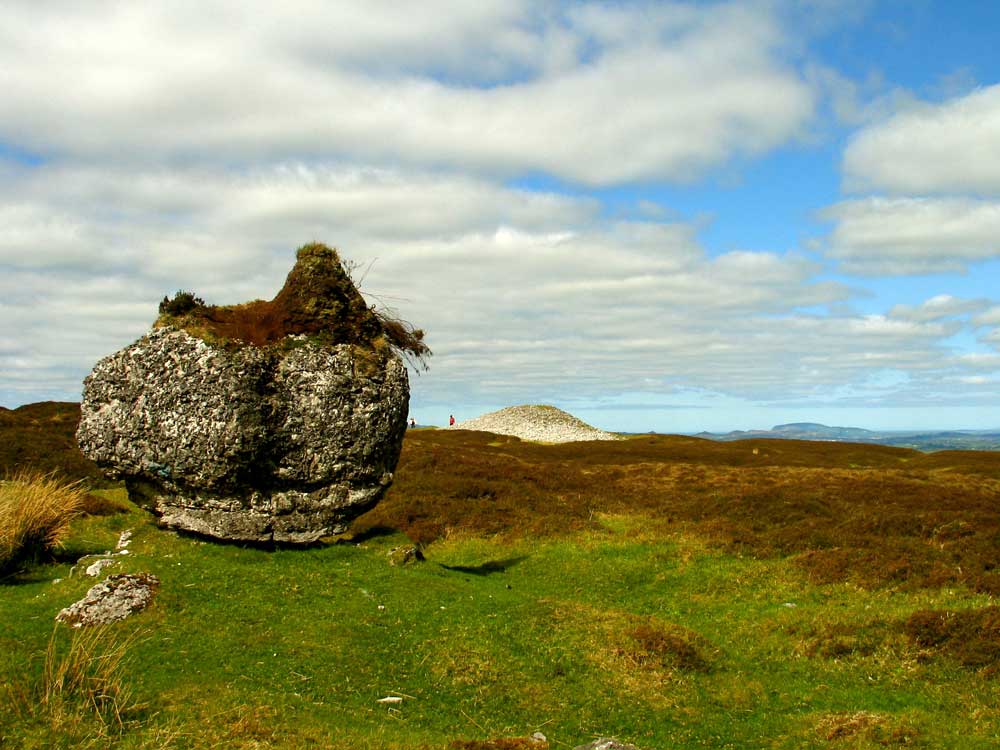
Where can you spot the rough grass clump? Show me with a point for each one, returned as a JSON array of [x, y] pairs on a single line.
[[35, 513], [866, 726], [668, 647], [82, 685], [842, 640], [972, 636]]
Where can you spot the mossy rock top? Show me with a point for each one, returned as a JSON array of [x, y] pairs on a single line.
[[318, 300]]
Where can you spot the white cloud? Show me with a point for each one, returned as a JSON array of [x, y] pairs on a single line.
[[980, 361], [524, 295], [952, 147], [939, 307], [913, 235], [598, 95], [992, 337], [196, 147], [857, 103], [989, 317]]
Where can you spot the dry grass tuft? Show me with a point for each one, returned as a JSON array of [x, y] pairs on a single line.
[[82, 682], [250, 727], [35, 513], [876, 728]]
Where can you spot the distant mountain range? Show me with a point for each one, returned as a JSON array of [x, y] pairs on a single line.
[[983, 440]]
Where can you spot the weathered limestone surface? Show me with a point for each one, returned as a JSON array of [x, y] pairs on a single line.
[[285, 442], [112, 600]]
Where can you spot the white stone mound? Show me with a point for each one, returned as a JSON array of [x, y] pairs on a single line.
[[540, 423]]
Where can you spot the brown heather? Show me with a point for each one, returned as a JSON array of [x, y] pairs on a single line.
[[871, 515]]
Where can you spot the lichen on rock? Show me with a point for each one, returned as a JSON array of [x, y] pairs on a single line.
[[268, 421]]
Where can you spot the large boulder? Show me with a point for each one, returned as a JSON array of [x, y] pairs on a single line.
[[270, 421]]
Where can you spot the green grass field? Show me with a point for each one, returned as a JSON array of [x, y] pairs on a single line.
[[669, 592]]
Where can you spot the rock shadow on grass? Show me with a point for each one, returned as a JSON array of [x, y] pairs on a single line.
[[487, 568]]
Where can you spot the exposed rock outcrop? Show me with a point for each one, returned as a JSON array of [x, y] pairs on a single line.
[[113, 599], [269, 421], [544, 424]]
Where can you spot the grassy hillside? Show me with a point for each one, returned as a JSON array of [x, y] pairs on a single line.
[[672, 592], [42, 437]]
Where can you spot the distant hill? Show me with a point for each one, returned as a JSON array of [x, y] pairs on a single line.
[[42, 436], [988, 440]]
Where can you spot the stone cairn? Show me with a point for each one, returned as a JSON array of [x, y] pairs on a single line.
[[274, 421]]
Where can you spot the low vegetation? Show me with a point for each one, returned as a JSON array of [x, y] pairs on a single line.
[[35, 515], [82, 695], [42, 437], [869, 515], [319, 300], [671, 592]]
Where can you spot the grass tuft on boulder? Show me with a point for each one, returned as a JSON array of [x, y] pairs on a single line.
[[35, 513], [318, 300]]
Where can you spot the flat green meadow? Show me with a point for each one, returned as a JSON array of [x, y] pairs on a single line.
[[639, 625]]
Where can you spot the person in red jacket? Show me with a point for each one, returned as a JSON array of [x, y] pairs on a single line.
[[451, 420]]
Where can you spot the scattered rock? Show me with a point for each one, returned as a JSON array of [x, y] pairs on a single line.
[[606, 744], [405, 555], [124, 539], [544, 424], [94, 569], [538, 737], [269, 421], [112, 600]]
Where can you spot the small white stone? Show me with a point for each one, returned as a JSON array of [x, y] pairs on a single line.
[[95, 568]]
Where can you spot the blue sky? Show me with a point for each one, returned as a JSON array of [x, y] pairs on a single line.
[[658, 215]]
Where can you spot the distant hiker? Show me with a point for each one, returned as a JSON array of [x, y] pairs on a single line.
[[451, 420], [413, 423]]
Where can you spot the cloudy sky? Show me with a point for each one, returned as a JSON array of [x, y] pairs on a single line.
[[657, 215]]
